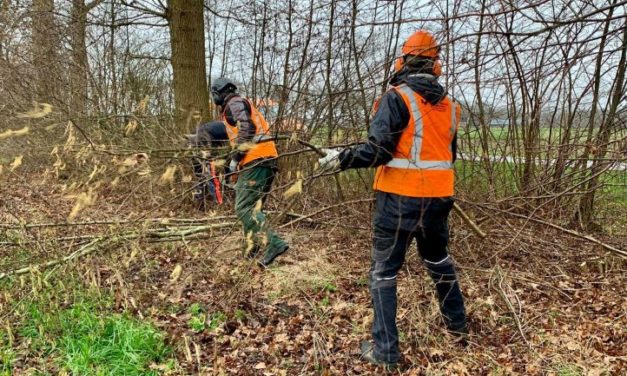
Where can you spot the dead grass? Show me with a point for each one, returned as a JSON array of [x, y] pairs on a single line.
[[309, 275]]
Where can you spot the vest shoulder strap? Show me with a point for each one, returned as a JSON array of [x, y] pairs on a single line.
[[409, 97]]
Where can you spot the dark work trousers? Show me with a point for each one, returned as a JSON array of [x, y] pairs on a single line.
[[397, 221]]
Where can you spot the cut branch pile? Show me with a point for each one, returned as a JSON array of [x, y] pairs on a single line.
[[104, 242]]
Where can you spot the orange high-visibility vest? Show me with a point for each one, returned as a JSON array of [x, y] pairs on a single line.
[[422, 164], [258, 149]]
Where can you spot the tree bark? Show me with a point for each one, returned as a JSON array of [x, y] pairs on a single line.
[[79, 60], [44, 51], [327, 76], [483, 127], [280, 119], [187, 41]]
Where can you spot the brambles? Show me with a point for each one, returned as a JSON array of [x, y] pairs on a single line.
[[197, 322], [200, 320]]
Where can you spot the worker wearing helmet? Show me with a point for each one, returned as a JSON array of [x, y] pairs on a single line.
[[254, 159], [412, 142]]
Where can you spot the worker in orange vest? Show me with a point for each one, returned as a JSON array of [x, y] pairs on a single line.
[[412, 142], [254, 161]]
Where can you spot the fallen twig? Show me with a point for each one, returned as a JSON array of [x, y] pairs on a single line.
[[475, 228], [305, 217], [115, 222], [589, 238], [510, 306]]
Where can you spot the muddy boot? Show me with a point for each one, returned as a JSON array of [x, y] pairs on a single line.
[[367, 354], [272, 253]]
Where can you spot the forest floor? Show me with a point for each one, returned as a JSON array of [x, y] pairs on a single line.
[[540, 302]]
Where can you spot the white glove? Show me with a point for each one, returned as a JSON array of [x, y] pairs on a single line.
[[233, 166], [331, 161]]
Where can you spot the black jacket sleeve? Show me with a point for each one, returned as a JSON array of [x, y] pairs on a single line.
[[238, 112], [385, 130]]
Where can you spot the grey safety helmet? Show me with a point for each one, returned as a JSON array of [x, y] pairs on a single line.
[[220, 88]]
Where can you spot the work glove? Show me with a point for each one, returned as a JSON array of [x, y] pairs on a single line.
[[331, 161], [233, 166], [232, 176]]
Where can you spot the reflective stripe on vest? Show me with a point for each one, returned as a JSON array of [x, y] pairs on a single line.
[[414, 162], [416, 165]]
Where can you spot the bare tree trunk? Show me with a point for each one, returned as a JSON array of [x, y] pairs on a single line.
[[79, 59], [4, 7], [286, 71], [112, 60], [329, 71], [187, 41], [392, 47], [567, 124], [44, 50], [484, 133], [586, 205], [532, 131], [225, 48], [597, 86], [301, 67], [258, 59], [357, 62], [212, 40]]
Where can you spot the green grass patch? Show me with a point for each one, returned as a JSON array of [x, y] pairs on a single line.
[[499, 135], [87, 338], [329, 287], [472, 176], [568, 370], [240, 315], [6, 361], [615, 185], [217, 319]]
